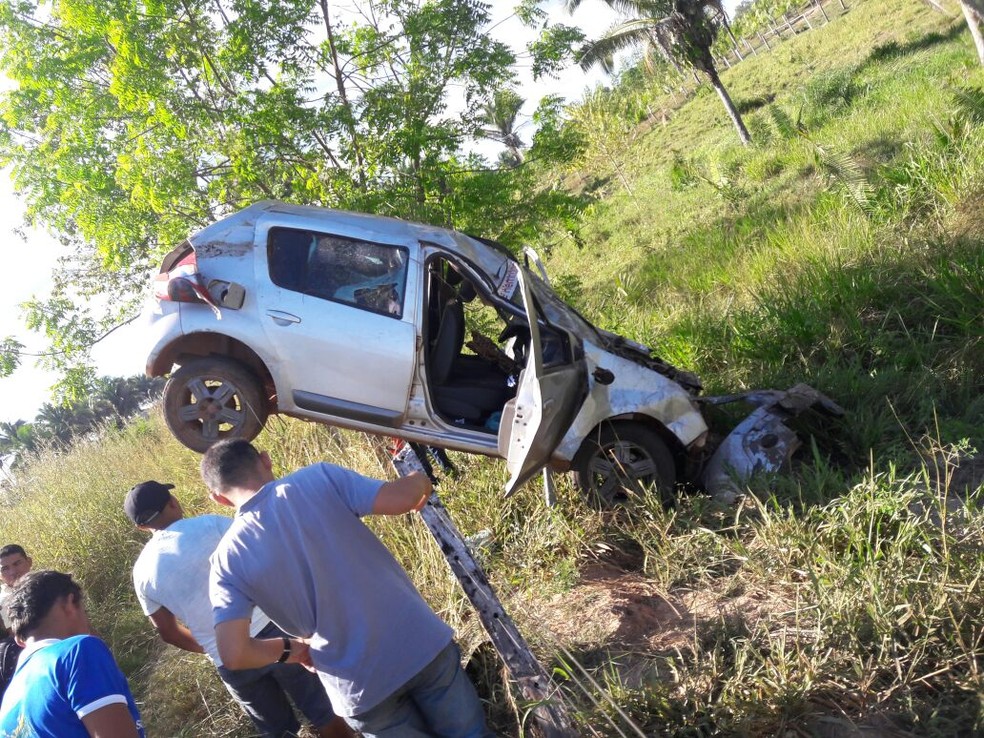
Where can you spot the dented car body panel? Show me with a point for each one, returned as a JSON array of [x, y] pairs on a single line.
[[632, 389]]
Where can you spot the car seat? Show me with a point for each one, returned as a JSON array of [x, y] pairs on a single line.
[[463, 387]]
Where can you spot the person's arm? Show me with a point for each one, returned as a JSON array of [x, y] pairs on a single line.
[[239, 651], [173, 632], [111, 721], [403, 495]]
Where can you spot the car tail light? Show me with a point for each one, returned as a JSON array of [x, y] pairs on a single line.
[[183, 283]]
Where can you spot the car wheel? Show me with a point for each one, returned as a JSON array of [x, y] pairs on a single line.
[[624, 459], [207, 400]]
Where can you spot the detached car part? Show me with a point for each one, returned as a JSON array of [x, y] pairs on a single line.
[[762, 442]]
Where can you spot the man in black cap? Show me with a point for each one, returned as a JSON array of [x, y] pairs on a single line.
[[171, 581]]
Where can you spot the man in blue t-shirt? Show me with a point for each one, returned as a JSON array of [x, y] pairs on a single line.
[[298, 550], [67, 684]]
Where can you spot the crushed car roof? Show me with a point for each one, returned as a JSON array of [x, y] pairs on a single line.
[[236, 231]]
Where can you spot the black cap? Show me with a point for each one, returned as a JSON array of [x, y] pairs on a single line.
[[145, 501]]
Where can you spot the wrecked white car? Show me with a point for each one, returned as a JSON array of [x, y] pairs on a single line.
[[433, 336]]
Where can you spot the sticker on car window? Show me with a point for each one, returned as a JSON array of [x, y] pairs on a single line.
[[507, 287]]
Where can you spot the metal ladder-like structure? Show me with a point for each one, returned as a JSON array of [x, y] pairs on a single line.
[[548, 711]]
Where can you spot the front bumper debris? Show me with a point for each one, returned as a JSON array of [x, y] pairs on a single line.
[[762, 442]]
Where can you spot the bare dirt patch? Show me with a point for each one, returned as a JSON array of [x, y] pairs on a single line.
[[621, 620], [625, 611]]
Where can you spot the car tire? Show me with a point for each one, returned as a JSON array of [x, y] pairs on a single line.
[[208, 400], [621, 460]]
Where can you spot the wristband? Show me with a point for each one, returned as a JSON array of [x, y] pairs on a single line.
[[286, 652]]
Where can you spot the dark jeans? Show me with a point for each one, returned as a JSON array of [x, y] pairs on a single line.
[[439, 701], [263, 694]]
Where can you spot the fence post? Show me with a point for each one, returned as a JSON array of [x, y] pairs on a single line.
[[764, 40], [819, 4], [734, 42]]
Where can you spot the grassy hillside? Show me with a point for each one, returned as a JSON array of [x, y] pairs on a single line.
[[845, 249], [760, 266]]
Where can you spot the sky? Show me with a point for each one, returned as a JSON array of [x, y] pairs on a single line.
[[31, 261]]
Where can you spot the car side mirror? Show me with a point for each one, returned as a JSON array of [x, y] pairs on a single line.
[[227, 294]]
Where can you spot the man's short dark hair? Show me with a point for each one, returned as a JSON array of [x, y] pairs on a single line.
[[34, 596], [229, 463], [12, 548]]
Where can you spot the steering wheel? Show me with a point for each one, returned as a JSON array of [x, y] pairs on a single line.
[[521, 333]]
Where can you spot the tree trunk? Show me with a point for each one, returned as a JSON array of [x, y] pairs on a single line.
[[974, 13], [343, 96], [729, 106]]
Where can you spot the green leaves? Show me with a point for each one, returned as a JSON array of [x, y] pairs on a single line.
[[554, 49], [10, 354], [131, 124]]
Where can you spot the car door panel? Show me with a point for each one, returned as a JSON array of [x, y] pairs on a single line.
[[546, 402], [345, 360]]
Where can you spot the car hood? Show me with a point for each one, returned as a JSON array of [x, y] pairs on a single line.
[[559, 313]]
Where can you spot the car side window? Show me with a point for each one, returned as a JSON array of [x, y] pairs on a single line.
[[367, 275]]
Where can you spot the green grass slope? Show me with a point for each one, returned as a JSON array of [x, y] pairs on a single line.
[[845, 249]]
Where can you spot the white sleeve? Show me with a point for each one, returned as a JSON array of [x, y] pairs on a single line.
[[142, 588]]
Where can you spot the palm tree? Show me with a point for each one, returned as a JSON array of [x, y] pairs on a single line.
[[57, 422], [499, 117], [8, 436], [15, 437], [115, 396], [682, 31], [148, 387], [973, 11], [16, 440]]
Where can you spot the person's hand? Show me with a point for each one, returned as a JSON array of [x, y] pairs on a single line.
[[300, 653], [421, 502], [403, 495]]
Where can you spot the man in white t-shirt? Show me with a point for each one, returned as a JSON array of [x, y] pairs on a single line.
[[171, 581]]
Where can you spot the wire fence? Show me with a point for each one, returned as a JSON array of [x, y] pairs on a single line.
[[793, 22]]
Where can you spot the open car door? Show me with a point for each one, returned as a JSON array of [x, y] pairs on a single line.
[[548, 396]]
